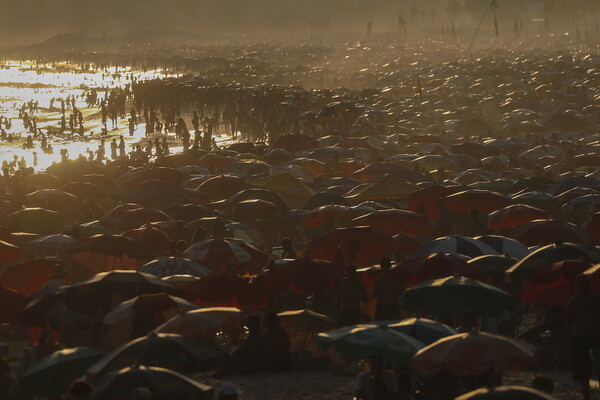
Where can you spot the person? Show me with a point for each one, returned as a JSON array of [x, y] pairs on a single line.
[[583, 317], [278, 344], [288, 250], [351, 291], [80, 390], [250, 357], [387, 292], [543, 384], [6, 379], [228, 391], [475, 225], [375, 383]]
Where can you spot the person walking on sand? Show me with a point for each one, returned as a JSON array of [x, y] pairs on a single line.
[[583, 317]]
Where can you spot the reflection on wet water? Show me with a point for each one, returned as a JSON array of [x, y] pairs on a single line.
[[25, 82]]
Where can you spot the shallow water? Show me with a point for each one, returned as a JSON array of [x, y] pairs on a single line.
[[24, 82]]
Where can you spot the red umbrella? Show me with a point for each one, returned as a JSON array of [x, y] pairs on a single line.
[[301, 275], [435, 266], [544, 231], [428, 197], [397, 221], [372, 245], [13, 304], [514, 215], [219, 254], [331, 214], [485, 201], [225, 290], [31, 276], [151, 238], [9, 252], [555, 284], [405, 245]]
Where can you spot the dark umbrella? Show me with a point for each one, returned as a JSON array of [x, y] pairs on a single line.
[[507, 393]]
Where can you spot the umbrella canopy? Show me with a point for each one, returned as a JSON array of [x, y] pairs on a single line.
[[394, 222], [483, 200], [542, 232], [303, 326], [201, 324], [13, 304], [31, 276], [153, 239], [428, 198], [101, 253], [174, 352], [537, 199], [159, 307], [301, 275], [250, 211], [51, 376], [365, 341], [454, 296], [168, 266], [504, 245], [515, 215], [225, 290], [162, 383], [9, 252], [554, 285], [370, 245], [218, 254], [389, 187], [506, 393], [548, 255], [331, 215], [493, 265], [469, 354], [455, 245], [51, 244], [434, 266], [38, 220], [424, 330], [222, 186]]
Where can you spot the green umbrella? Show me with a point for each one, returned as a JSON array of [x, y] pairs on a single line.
[[365, 341], [550, 254], [52, 375], [162, 383], [454, 296], [38, 220]]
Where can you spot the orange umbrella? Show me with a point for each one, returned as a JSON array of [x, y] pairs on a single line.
[[397, 221], [511, 216], [371, 245], [485, 201], [31, 276], [9, 252], [225, 290], [13, 304]]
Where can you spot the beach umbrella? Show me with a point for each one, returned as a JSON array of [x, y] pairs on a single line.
[[323, 199], [38, 220], [51, 376], [388, 187], [434, 266], [43, 180], [484, 201], [260, 194], [158, 194], [428, 198], [137, 217], [455, 296], [159, 307], [222, 186], [372, 245], [550, 254], [9, 252], [92, 228], [246, 232], [366, 341], [174, 352], [405, 245], [303, 326], [202, 324], [101, 253], [504, 245], [153, 239], [396, 221], [424, 330], [214, 160], [54, 199], [225, 290], [294, 142], [301, 275], [249, 211], [455, 245], [493, 265], [554, 285], [583, 206], [506, 393], [51, 244], [167, 266], [218, 254], [430, 162], [114, 217], [188, 212], [536, 199], [471, 354], [180, 281], [592, 226], [71, 170], [104, 290], [29, 277], [85, 190], [162, 384], [511, 216], [543, 232], [13, 304], [331, 215]]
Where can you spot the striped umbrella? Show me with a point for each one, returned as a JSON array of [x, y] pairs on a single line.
[[504, 245]]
